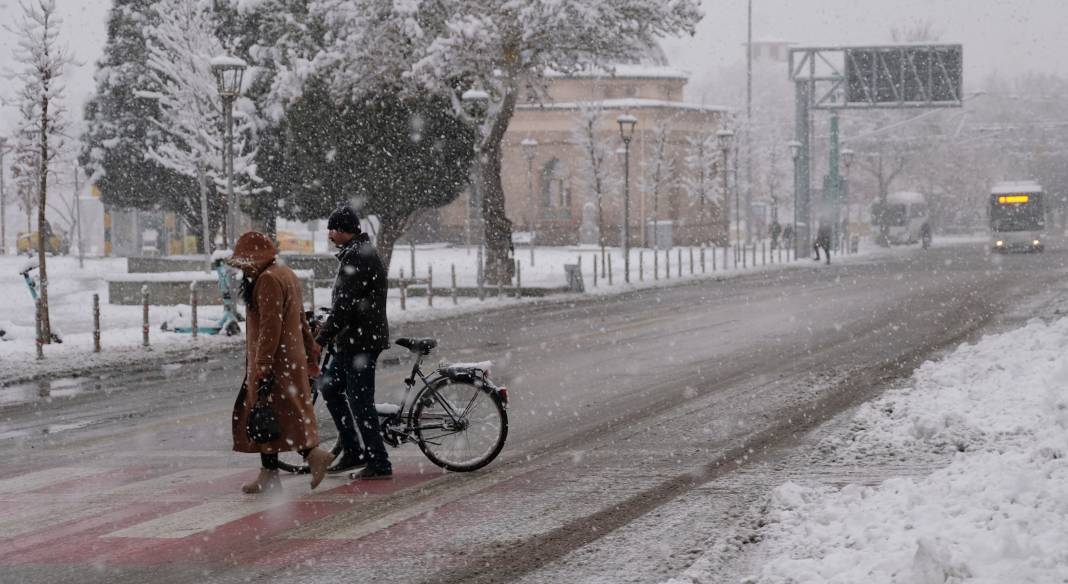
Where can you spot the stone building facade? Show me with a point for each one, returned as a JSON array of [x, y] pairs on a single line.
[[548, 194]]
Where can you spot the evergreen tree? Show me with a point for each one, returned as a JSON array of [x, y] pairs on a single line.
[[119, 122], [390, 156]]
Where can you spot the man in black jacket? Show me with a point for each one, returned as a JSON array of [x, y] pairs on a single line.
[[356, 331]]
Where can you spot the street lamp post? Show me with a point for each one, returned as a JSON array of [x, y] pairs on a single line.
[[476, 102], [847, 155], [229, 71], [725, 137], [626, 132], [3, 199], [795, 154], [530, 149]]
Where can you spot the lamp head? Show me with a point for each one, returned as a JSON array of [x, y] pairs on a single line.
[[725, 137], [229, 71], [795, 148], [626, 126], [476, 103], [530, 147]]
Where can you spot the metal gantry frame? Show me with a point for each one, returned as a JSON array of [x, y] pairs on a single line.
[[834, 78]]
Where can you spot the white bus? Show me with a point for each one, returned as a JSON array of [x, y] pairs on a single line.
[[904, 219], [1017, 216]]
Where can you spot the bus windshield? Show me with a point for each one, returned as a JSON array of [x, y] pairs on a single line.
[[1013, 216]]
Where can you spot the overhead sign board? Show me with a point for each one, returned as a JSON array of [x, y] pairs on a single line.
[[904, 76]]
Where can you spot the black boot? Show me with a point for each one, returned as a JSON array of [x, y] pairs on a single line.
[[347, 462]]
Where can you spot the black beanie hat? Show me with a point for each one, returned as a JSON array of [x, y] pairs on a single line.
[[345, 220]]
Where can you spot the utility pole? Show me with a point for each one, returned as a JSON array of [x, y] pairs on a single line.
[[78, 216], [3, 199], [749, 127]]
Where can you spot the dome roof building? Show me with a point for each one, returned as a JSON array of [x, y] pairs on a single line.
[[548, 186]]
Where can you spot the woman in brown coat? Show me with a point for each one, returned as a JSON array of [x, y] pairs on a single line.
[[280, 350]]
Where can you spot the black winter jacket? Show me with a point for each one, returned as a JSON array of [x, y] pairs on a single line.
[[357, 322]]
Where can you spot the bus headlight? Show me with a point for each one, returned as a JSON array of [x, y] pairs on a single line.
[[999, 243], [1036, 243]]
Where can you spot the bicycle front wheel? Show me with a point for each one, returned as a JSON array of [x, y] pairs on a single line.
[[459, 426]]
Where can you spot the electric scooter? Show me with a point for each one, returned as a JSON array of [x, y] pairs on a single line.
[[229, 324], [31, 283]]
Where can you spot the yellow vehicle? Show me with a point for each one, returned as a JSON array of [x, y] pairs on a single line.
[[27, 243], [289, 241]]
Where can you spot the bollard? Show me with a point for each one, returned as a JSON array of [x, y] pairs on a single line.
[[641, 265], [691, 260], [403, 285], [603, 262], [500, 289], [518, 279], [481, 284], [702, 258], [679, 262], [411, 246], [745, 256], [779, 251], [763, 254], [667, 264], [40, 328], [532, 252], [96, 323], [754, 256], [193, 307], [725, 264], [609, 270], [429, 285], [454, 300], [656, 265], [594, 270], [713, 258], [144, 312]]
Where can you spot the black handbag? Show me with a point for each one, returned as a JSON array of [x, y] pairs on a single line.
[[262, 424]]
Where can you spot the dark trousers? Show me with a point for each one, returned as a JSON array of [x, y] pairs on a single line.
[[348, 386]]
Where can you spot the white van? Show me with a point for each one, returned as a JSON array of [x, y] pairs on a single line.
[[904, 219]]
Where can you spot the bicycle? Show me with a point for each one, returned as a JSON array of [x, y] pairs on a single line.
[[458, 417]]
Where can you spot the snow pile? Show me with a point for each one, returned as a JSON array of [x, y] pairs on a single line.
[[997, 513]]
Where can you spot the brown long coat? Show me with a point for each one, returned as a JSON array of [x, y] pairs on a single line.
[[278, 342]]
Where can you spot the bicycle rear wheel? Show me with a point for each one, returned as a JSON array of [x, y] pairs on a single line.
[[459, 426]]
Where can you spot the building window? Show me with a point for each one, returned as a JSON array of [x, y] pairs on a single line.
[[555, 190]]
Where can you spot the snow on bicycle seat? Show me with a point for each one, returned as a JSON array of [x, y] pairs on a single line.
[[423, 346]]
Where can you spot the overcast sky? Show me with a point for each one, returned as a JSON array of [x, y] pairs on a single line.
[[1004, 35]]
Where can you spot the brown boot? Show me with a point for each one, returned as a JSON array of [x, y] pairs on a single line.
[[267, 481], [318, 461]]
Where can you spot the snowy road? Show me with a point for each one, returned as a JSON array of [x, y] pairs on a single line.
[[621, 408]]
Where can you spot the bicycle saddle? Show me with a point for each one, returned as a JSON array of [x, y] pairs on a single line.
[[423, 346]]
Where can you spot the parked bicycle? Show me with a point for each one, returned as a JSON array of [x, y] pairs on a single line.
[[456, 414]]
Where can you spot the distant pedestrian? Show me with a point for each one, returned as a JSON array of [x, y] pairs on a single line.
[[775, 230], [356, 332], [788, 236], [823, 239], [279, 355]]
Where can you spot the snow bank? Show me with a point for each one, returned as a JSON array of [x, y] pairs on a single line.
[[997, 513]]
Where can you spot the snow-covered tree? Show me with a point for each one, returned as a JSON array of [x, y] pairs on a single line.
[[119, 123], [593, 167], [181, 46], [501, 47], [43, 62], [658, 176], [698, 179]]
